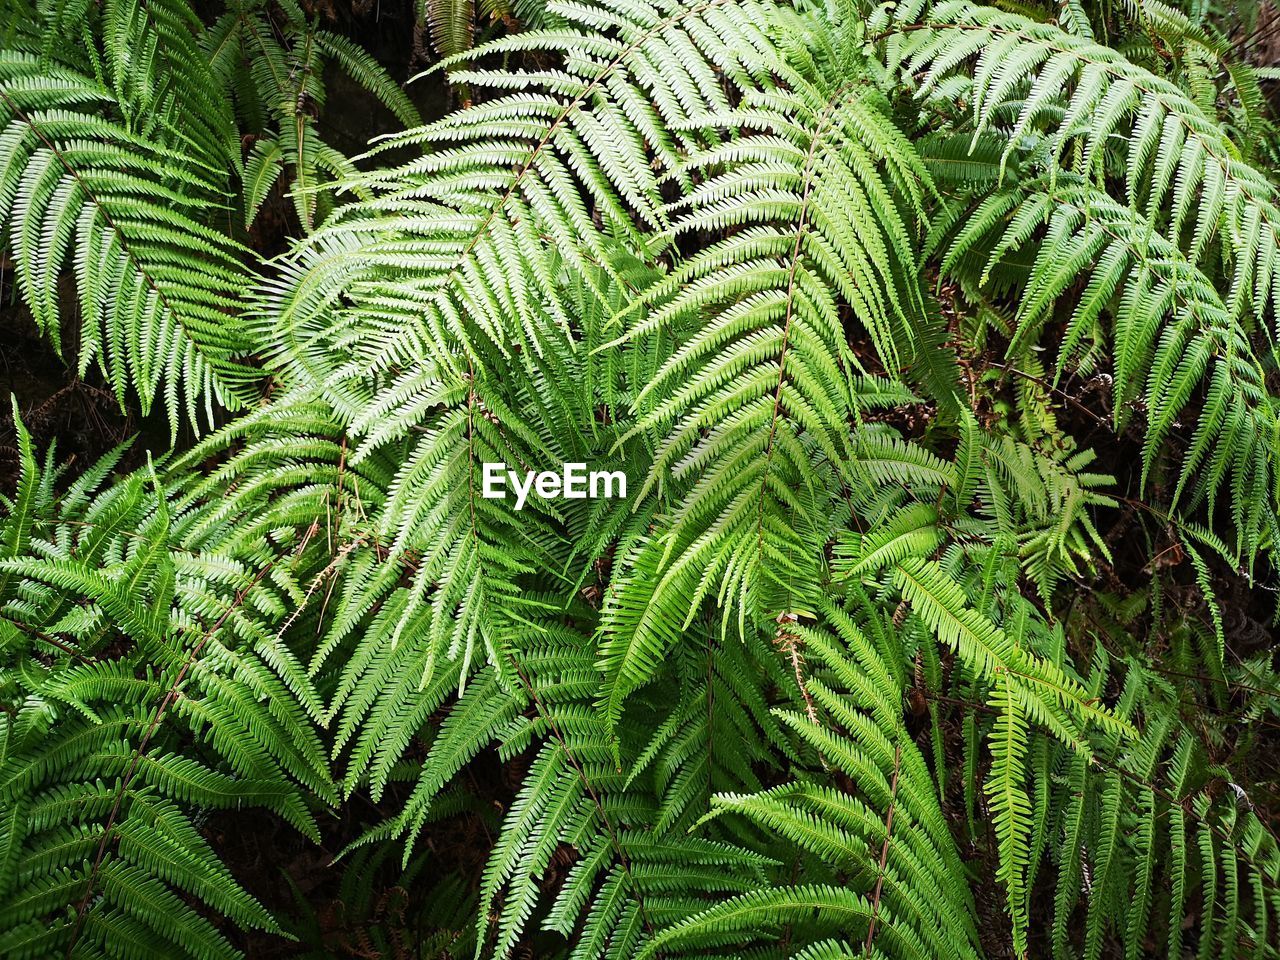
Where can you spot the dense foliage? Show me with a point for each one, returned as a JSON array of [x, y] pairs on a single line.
[[938, 343]]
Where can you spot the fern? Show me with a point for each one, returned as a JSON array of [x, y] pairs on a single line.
[[122, 207], [935, 342], [99, 792]]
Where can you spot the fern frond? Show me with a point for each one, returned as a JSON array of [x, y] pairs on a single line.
[[158, 290]]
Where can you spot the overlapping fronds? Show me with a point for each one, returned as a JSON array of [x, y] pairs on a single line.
[[1182, 262], [155, 686], [934, 344], [750, 414], [270, 61], [122, 201]]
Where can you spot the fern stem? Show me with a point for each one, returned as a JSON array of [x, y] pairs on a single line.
[[170, 696], [623, 859], [884, 850]]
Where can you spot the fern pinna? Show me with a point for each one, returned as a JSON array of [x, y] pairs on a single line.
[[936, 340]]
